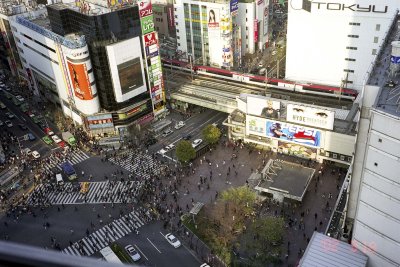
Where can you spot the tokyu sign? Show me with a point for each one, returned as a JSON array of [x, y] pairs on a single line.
[[349, 7]]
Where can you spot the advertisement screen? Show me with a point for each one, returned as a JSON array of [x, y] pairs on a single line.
[[145, 8], [126, 67], [130, 76], [293, 133], [80, 81], [213, 18], [100, 121], [297, 150], [314, 117], [263, 107]]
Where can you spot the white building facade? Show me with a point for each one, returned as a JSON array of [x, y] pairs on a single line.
[[335, 43], [58, 67]]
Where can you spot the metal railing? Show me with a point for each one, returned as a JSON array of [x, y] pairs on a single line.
[[79, 42]]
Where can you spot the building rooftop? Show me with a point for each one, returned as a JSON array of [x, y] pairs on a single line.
[[95, 7], [384, 75]]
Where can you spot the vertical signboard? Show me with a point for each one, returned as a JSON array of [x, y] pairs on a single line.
[[213, 18], [80, 81], [152, 55], [234, 6], [266, 11], [255, 31]]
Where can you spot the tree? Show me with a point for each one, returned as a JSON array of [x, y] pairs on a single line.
[[185, 151], [211, 134]]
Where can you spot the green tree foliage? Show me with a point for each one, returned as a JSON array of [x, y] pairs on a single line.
[[185, 152], [211, 134]]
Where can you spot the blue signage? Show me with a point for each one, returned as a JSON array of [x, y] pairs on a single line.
[[395, 60], [234, 6]]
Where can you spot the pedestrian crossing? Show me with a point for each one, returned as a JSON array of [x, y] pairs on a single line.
[[73, 157], [142, 164], [109, 233], [69, 193]]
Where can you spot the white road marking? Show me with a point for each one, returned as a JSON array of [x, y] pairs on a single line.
[[153, 245], [141, 252]]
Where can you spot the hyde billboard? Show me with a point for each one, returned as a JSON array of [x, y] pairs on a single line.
[[315, 117]]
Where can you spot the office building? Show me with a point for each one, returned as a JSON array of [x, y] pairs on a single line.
[[335, 43]]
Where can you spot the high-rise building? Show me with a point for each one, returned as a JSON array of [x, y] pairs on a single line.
[[219, 33], [335, 43]]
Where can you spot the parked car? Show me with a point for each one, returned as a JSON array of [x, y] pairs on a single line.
[[173, 240], [20, 98], [167, 132], [9, 124], [35, 154], [187, 137], [169, 147], [27, 151], [179, 124], [31, 137], [132, 252], [48, 131], [47, 140], [196, 143], [56, 139], [10, 115], [22, 127]]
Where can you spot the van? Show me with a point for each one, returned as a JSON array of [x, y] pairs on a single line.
[[59, 179]]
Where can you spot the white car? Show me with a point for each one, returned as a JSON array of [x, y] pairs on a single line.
[[56, 139], [35, 154], [173, 240], [205, 265], [179, 125], [167, 132], [132, 252], [20, 98], [162, 152], [196, 143], [10, 115], [27, 151], [169, 147], [9, 124]]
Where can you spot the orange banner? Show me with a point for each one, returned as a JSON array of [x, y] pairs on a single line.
[[80, 81]]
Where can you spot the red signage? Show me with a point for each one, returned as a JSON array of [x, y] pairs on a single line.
[[145, 8], [171, 17], [255, 31], [150, 39]]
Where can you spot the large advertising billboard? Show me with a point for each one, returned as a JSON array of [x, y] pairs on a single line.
[[126, 67], [283, 131], [213, 18], [255, 31], [263, 107], [80, 81], [99, 121], [320, 118]]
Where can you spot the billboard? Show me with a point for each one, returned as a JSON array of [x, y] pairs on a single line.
[[234, 6], [263, 107], [266, 17], [283, 131], [99, 121], [150, 39], [147, 24], [297, 150], [293, 133], [255, 31], [320, 118], [80, 81], [213, 18], [126, 67], [145, 8]]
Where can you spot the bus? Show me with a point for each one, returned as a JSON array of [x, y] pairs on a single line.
[[69, 171], [109, 255]]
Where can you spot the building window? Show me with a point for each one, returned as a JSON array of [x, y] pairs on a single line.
[[342, 157], [176, 16], [347, 70], [349, 82], [247, 37], [246, 10], [327, 154], [354, 23], [177, 37], [376, 164], [334, 155], [176, 23], [373, 51], [247, 28], [376, 39], [351, 47], [246, 19], [349, 59], [179, 44], [380, 140], [378, 27], [352, 36]]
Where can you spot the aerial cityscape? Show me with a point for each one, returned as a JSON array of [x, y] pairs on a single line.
[[205, 133]]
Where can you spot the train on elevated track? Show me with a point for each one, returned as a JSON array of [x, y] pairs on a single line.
[[305, 88]]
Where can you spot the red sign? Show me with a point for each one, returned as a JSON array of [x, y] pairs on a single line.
[[260, 2], [155, 88], [145, 8], [80, 81], [171, 17], [150, 39], [255, 31]]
